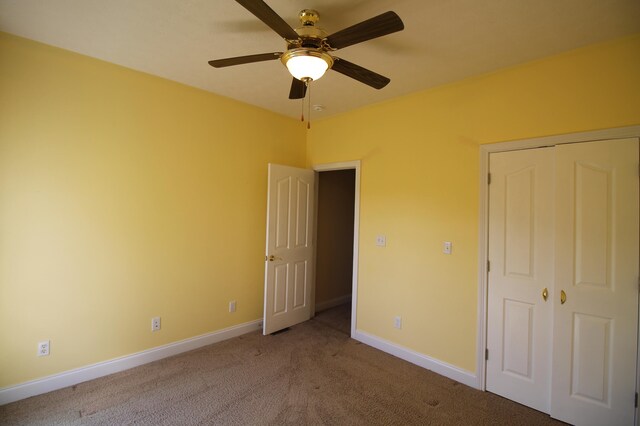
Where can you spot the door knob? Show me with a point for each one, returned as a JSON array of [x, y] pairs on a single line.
[[273, 258], [563, 297], [545, 294]]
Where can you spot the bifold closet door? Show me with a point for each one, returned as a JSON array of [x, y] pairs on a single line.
[[521, 254], [595, 323], [564, 226]]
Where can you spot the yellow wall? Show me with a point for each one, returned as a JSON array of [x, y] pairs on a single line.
[[122, 197], [419, 181]]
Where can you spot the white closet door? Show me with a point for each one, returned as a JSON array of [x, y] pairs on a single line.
[[595, 331], [521, 249]]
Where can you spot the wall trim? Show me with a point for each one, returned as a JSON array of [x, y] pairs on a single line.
[[94, 371], [483, 219], [328, 304], [421, 360]]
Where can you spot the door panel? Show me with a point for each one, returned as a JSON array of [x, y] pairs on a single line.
[[518, 338], [303, 213], [593, 224], [280, 289], [591, 364], [519, 203], [595, 332], [521, 254], [289, 252], [300, 295], [282, 211]]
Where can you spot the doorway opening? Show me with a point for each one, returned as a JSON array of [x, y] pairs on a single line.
[[337, 225], [334, 244]]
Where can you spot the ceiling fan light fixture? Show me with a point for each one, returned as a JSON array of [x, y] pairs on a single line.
[[307, 64]]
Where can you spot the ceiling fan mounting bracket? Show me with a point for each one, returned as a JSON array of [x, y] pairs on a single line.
[[309, 17]]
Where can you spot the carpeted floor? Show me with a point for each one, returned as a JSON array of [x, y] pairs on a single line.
[[313, 374]]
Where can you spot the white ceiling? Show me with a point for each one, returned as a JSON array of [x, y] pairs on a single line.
[[443, 40]]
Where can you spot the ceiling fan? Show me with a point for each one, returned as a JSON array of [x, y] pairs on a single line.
[[309, 48]]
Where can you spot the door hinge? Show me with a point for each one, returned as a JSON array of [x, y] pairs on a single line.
[[636, 400], [486, 356], [488, 266], [488, 178]]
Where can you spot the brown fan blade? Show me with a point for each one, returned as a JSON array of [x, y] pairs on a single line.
[[238, 60], [356, 72], [298, 89], [378, 26], [264, 13]]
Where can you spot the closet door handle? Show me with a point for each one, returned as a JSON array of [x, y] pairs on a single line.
[[545, 294], [563, 297]]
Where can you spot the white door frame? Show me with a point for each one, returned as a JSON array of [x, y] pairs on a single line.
[[483, 223], [346, 165]]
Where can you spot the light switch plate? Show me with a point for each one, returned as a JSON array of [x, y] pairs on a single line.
[[397, 322], [381, 240]]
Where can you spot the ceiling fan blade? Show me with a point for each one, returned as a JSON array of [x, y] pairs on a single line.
[[298, 89], [264, 13], [378, 26], [356, 72], [238, 60]]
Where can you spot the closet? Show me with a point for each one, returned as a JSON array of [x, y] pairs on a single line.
[[562, 308]]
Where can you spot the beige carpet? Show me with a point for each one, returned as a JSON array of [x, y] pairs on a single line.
[[313, 374]]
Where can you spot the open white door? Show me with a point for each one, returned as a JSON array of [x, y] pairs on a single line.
[[289, 268]]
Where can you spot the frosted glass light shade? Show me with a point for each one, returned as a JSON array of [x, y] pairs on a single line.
[[303, 67], [307, 64]]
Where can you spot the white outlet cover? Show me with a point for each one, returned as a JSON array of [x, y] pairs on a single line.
[[381, 240], [155, 324], [232, 306], [43, 348], [446, 247]]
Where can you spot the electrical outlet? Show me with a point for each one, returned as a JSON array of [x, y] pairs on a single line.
[[397, 322], [43, 348], [155, 324], [232, 306], [446, 247], [381, 240]]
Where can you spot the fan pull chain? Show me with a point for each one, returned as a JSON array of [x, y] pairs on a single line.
[[309, 105], [302, 111]]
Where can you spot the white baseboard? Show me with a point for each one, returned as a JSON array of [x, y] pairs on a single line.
[[442, 368], [322, 306], [90, 372]]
